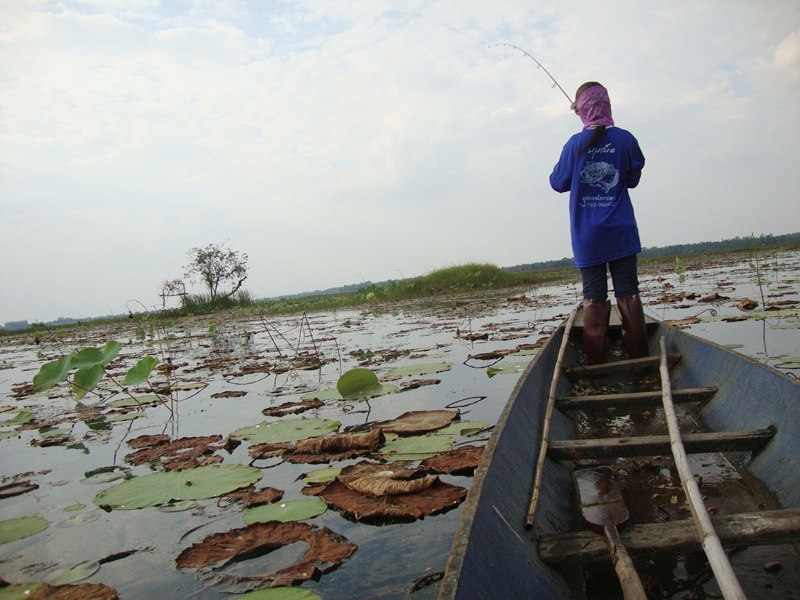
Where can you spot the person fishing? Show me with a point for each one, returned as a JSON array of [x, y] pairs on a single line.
[[597, 167]]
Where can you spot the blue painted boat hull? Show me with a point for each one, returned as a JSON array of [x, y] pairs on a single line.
[[495, 556]]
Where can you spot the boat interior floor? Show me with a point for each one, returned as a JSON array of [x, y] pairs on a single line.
[[620, 421]]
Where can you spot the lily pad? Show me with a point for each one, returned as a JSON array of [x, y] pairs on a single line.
[[287, 430], [506, 369], [138, 402], [179, 506], [327, 550], [281, 593], [19, 528], [103, 477], [417, 370], [80, 571], [23, 417], [416, 448], [321, 475], [330, 394], [463, 428], [40, 589], [358, 383], [172, 486], [124, 417], [418, 421], [437, 498], [77, 521], [293, 510]]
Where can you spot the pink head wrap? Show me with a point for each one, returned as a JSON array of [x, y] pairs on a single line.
[[594, 107]]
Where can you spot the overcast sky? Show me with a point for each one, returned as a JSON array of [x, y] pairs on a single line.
[[341, 141]]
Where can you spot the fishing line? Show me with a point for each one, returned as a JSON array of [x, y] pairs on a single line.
[[538, 66]]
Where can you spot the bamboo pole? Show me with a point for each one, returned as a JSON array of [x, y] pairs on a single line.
[[551, 402], [717, 558]]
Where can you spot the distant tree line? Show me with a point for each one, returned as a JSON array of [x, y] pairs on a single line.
[[737, 243]]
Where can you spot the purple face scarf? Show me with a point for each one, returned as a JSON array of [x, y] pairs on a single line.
[[594, 107]]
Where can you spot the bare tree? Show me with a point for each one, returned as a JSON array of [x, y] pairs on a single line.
[[215, 265]]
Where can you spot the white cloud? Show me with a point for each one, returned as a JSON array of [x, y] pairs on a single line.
[[338, 140]]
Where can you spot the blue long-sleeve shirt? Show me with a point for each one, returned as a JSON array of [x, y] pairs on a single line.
[[602, 223]]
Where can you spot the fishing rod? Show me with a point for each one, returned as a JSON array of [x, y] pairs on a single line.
[[538, 66]]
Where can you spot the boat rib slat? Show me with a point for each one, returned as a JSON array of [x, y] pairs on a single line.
[[632, 400], [751, 529], [618, 365], [658, 445]]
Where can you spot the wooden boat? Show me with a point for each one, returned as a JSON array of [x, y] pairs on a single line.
[[508, 546]]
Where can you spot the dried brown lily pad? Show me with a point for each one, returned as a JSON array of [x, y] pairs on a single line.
[[262, 451], [251, 497], [418, 421], [183, 453], [144, 441], [292, 408], [327, 550], [47, 591], [438, 498], [341, 446], [376, 485], [417, 383], [462, 461], [714, 297], [17, 488], [229, 394], [746, 304]]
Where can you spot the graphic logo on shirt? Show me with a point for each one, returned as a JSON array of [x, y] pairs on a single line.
[[600, 174]]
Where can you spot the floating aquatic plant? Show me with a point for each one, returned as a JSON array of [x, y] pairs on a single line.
[[172, 486]]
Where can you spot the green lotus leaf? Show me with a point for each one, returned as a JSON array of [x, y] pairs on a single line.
[[20, 591], [66, 576], [507, 369], [358, 383], [74, 507], [172, 486], [178, 506], [321, 475], [52, 373], [417, 370], [22, 527], [86, 379], [147, 400], [23, 417], [280, 593], [48, 433], [330, 394], [416, 447], [140, 372], [4, 435], [125, 417], [463, 428], [80, 519], [333, 394], [90, 357], [292, 510], [285, 430]]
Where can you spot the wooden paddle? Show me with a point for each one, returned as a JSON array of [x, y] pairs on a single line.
[[602, 505]]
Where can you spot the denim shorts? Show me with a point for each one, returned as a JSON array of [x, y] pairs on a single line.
[[623, 276]]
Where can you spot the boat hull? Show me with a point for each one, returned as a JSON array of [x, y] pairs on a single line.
[[495, 556]]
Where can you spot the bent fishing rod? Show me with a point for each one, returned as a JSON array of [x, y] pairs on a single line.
[[538, 66]]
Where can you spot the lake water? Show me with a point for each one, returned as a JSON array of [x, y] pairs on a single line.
[[207, 355]]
